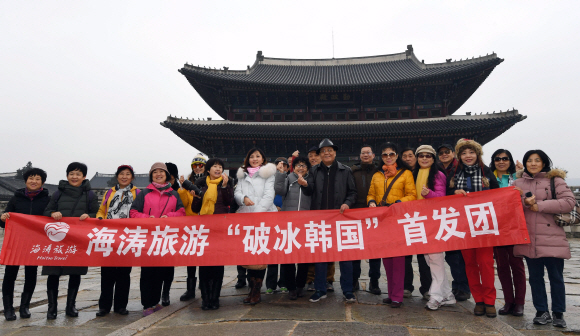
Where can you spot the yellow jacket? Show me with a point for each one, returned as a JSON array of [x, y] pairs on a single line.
[[104, 208], [186, 199], [403, 189]]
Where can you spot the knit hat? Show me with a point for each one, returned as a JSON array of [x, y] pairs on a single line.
[[159, 165], [172, 168], [199, 158], [426, 149], [471, 144]]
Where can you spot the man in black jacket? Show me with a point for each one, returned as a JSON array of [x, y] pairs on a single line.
[[333, 188], [363, 174]]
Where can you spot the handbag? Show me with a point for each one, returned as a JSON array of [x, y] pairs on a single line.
[[565, 219], [384, 200]]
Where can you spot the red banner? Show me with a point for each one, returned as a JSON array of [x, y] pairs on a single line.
[[487, 218]]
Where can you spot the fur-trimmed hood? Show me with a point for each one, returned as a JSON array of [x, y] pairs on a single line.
[[265, 171], [554, 172]]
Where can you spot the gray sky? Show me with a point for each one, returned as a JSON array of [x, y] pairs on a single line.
[[90, 81]]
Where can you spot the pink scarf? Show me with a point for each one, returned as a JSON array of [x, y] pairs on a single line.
[[252, 171]]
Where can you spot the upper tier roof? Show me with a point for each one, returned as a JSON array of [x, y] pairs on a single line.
[[340, 73]]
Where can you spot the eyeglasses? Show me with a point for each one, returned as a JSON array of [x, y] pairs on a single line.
[[390, 155], [498, 159], [328, 150], [425, 156], [301, 166], [444, 152], [366, 153], [197, 165]]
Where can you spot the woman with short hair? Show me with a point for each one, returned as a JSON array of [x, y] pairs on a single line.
[[471, 175], [74, 198], [30, 200], [504, 168], [548, 244], [255, 193], [116, 204]]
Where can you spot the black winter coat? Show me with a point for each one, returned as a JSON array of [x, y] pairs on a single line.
[[344, 187], [19, 203], [225, 196], [363, 174], [65, 204]]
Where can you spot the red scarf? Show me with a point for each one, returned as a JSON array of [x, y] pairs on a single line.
[[390, 171]]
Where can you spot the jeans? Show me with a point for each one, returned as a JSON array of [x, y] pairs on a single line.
[[424, 274], [345, 276], [555, 267], [457, 266]]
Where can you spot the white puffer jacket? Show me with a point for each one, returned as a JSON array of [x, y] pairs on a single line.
[[259, 189]]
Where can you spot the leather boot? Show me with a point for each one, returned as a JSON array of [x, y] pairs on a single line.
[[374, 287], [165, 294], [248, 299], [204, 288], [506, 309], [216, 290], [190, 292], [256, 295], [25, 304], [8, 302], [52, 304], [71, 299], [518, 310]]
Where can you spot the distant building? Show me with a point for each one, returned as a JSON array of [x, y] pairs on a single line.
[[282, 105]]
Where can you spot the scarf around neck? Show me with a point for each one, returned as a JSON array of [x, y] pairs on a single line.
[[161, 186], [422, 177], [252, 170], [210, 196], [390, 170], [474, 172], [120, 204], [32, 194], [510, 178]]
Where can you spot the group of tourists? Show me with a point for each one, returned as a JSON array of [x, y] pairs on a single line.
[[319, 182]]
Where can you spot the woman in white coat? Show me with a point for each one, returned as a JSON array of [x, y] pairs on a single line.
[[255, 193]]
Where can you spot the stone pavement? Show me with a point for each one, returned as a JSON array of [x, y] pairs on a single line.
[[277, 315]]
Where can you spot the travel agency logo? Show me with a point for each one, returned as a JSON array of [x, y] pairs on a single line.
[[56, 231]]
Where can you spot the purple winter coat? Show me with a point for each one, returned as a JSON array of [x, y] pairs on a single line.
[[547, 239], [440, 186]]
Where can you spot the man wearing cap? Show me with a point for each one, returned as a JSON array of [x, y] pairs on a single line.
[[447, 160], [333, 188], [313, 156], [363, 174]]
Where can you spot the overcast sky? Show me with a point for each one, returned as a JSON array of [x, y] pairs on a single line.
[[90, 81]]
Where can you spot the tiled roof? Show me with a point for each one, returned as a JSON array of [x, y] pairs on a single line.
[[401, 68], [100, 180], [225, 129], [8, 185]]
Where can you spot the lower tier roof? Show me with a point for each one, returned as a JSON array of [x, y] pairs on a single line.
[[236, 130]]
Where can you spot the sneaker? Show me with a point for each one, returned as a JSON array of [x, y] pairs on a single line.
[[148, 311], [558, 320], [329, 287], [387, 301], [396, 304], [542, 318], [433, 304], [407, 293], [269, 291], [450, 300], [426, 296], [310, 287], [349, 297], [317, 296], [157, 307], [283, 290]]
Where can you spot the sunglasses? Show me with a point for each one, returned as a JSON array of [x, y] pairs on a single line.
[[197, 165], [425, 156], [444, 152], [498, 159], [390, 155]]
